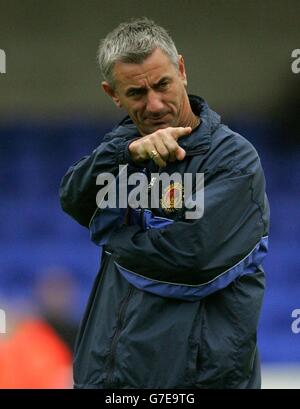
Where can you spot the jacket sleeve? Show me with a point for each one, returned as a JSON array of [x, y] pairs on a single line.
[[78, 187], [220, 245]]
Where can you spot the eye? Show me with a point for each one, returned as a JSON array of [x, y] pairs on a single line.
[[162, 85], [135, 92]]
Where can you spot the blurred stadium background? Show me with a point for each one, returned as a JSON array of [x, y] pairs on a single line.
[[52, 112]]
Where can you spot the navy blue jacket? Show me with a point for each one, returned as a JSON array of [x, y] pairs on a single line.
[[176, 302]]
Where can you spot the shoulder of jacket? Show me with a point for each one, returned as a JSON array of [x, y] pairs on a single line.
[[231, 150], [125, 132]]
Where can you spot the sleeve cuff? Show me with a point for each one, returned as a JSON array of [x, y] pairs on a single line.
[[120, 236], [124, 156]]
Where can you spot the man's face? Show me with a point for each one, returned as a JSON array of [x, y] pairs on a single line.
[[153, 93]]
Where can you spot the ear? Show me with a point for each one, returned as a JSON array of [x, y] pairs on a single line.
[[181, 68], [111, 93]]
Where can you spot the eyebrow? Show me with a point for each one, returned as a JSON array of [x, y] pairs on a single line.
[[141, 89]]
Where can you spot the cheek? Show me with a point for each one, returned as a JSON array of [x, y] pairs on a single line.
[[137, 109], [175, 95], [175, 101]]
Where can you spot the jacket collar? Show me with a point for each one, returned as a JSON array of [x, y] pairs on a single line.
[[199, 140]]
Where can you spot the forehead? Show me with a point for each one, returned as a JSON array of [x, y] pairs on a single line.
[[154, 67]]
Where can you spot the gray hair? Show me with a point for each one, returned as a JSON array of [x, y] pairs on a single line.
[[133, 42]]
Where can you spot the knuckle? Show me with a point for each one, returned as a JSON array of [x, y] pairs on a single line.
[[173, 147], [147, 143], [159, 132], [165, 154], [152, 138]]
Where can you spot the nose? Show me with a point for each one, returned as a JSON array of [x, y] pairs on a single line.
[[155, 104]]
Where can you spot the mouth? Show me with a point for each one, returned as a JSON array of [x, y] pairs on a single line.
[[156, 120]]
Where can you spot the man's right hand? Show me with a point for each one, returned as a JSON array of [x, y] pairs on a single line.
[[161, 146]]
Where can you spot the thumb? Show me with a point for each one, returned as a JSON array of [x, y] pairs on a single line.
[[180, 153]]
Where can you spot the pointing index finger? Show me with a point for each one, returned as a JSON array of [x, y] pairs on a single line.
[[181, 131]]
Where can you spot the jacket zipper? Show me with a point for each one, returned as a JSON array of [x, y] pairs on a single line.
[[143, 219], [196, 151], [116, 336]]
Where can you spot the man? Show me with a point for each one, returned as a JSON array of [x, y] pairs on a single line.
[[177, 299]]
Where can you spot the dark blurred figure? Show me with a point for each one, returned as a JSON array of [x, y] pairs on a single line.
[[32, 355], [56, 297]]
